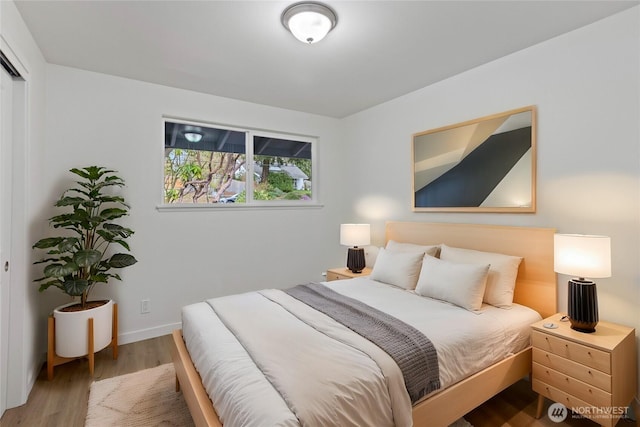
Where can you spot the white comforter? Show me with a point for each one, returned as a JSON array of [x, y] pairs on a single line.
[[245, 396]]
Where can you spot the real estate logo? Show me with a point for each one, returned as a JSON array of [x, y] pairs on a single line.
[[557, 412]]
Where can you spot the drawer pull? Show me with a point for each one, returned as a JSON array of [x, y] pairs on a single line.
[[566, 379], [590, 372]]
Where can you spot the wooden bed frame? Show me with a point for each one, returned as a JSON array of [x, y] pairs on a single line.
[[535, 288]]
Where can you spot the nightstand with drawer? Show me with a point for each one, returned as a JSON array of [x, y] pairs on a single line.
[[344, 273], [594, 373]]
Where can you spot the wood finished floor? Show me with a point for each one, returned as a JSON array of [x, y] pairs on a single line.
[[63, 401]]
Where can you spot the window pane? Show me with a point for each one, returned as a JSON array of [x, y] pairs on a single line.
[[203, 164], [282, 169]]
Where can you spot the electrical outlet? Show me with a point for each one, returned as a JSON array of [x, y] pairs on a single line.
[[145, 306]]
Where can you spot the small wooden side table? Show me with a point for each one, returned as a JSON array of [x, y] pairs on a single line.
[[591, 373], [344, 273]]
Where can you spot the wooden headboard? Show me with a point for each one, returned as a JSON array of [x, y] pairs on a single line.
[[536, 281]]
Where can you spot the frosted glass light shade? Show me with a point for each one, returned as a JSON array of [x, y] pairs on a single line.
[[582, 255], [355, 234], [309, 22], [193, 136]]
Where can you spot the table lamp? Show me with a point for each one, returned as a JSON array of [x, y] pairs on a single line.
[[355, 235], [582, 256]]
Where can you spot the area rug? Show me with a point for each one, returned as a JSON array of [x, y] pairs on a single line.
[[145, 398], [461, 423]]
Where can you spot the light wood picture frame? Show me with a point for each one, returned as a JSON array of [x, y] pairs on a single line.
[[481, 165]]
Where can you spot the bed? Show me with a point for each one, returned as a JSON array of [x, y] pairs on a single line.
[[535, 288]]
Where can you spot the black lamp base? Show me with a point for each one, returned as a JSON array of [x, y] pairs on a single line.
[[355, 259], [583, 305]]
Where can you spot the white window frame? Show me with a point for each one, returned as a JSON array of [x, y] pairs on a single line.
[[250, 203]]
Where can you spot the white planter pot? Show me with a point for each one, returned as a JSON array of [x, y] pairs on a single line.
[[72, 329]]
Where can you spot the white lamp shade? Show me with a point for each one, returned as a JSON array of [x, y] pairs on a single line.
[[309, 21], [309, 27], [355, 234], [581, 255]]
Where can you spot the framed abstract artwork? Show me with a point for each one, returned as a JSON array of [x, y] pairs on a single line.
[[482, 165]]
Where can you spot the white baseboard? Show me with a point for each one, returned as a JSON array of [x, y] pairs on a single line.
[[145, 334]]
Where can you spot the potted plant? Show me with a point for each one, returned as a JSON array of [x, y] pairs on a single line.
[[81, 258]]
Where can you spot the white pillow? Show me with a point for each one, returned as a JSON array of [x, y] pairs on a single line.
[[502, 272], [397, 268], [432, 250], [459, 284]]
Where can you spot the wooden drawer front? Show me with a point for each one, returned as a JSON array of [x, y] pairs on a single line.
[[598, 359], [557, 395], [593, 395], [334, 276], [573, 369]]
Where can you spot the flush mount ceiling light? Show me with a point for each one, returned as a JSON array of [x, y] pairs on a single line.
[[309, 22], [193, 136]]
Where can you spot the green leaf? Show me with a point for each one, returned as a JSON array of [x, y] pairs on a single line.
[[91, 173], [69, 219], [60, 270], [45, 286], [96, 188], [42, 261], [90, 204], [88, 185], [70, 201], [95, 172], [107, 236], [122, 260], [100, 278], [118, 229], [94, 221], [80, 173], [67, 244], [77, 190], [49, 242], [75, 287], [122, 243], [113, 213], [112, 199], [53, 252], [87, 258]]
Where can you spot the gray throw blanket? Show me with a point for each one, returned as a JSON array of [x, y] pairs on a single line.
[[412, 351]]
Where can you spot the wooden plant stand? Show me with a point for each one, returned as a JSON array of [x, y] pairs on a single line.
[[54, 360]]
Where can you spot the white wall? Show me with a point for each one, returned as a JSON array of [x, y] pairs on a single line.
[[186, 257], [586, 87], [27, 325]]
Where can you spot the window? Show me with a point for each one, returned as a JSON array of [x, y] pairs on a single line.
[[220, 165]]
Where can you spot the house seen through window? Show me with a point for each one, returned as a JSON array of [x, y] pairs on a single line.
[[219, 165]]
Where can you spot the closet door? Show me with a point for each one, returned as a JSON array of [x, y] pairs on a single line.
[[6, 137]]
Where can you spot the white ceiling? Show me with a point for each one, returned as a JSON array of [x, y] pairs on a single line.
[[239, 49]]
